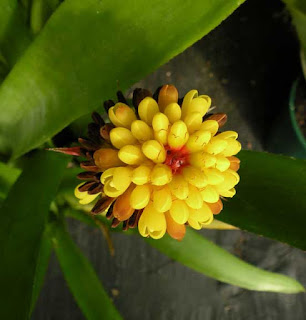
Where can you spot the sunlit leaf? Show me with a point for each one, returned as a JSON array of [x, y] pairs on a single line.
[[85, 51]]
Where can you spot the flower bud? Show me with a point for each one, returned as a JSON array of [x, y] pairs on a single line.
[[140, 196], [131, 154], [210, 125], [179, 211], [154, 151], [141, 131], [161, 175], [178, 135], [122, 208], [234, 163], [162, 199], [121, 137], [121, 115], [167, 94], [147, 108], [107, 158], [173, 112]]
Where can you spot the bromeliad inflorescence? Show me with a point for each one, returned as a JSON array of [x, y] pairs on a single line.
[[160, 166]]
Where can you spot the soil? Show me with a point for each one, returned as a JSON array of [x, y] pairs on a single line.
[[300, 110]]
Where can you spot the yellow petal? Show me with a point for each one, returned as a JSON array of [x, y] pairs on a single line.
[[89, 198], [178, 135], [194, 199], [167, 94], [179, 187], [193, 121], [80, 194], [195, 177], [173, 112], [141, 131], [111, 191], [215, 146], [214, 176], [140, 197], [161, 175], [202, 159], [200, 104], [200, 217], [147, 108], [161, 136], [222, 163], [210, 125], [107, 174], [121, 115], [122, 178], [162, 199], [210, 194], [230, 179], [131, 154], [227, 193], [121, 137], [152, 223], [189, 96], [228, 135], [198, 140], [160, 125], [154, 151], [141, 175], [233, 147], [179, 211]]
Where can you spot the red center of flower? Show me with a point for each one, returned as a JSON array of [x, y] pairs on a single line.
[[177, 159]]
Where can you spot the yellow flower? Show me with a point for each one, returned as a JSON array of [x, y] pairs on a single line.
[[161, 166]]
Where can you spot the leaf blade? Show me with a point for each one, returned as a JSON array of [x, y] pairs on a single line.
[[81, 278], [94, 45], [205, 257], [270, 199], [22, 224]]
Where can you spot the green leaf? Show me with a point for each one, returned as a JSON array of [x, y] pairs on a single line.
[[8, 175], [15, 36], [81, 278], [201, 255], [41, 267], [88, 48], [23, 216], [270, 199]]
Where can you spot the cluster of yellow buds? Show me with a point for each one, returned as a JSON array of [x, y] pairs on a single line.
[[162, 165]]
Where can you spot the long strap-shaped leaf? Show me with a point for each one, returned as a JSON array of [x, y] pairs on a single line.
[[15, 36], [271, 198], [202, 255], [88, 48], [22, 217], [81, 278]]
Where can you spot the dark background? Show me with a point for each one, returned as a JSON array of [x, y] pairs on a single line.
[[246, 65]]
